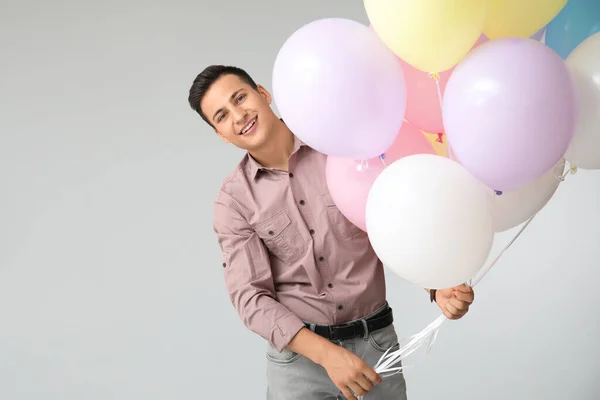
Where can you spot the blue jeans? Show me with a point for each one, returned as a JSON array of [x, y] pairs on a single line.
[[291, 376]]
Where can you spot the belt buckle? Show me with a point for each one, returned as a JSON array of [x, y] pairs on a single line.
[[332, 335], [334, 329]]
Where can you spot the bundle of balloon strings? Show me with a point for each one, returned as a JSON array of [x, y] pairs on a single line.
[[388, 363]]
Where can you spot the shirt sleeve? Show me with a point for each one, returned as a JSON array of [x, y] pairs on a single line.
[[248, 276]]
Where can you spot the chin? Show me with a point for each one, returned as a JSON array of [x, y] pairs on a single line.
[[257, 140]]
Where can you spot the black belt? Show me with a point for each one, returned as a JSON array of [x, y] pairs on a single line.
[[355, 329]]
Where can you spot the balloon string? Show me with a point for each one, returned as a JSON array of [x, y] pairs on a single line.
[[362, 165], [382, 158], [436, 77], [474, 281], [428, 335]]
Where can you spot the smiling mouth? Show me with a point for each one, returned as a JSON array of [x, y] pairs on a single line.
[[248, 126]]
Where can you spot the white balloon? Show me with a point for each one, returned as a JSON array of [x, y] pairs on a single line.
[[584, 65], [517, 206], [430, 221]]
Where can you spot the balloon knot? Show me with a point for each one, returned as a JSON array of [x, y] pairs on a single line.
[[440, 138], [498, 192], [573, 169], [434, 75], [363, 165], [382, 156]]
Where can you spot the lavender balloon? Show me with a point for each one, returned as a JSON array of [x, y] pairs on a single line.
[[509, 111], [340, 89]]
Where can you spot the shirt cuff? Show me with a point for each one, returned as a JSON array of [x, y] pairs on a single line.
[[287, 327]]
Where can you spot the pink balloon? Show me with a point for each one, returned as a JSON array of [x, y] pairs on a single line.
[[408, 142], [510, 111], [423, 102], [349, 181]]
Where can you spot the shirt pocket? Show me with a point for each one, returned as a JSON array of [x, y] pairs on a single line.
[[281, 236], [343, 228]]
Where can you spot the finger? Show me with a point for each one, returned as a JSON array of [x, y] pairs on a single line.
[[348, 394], [452, 311], [356, 389], [448, 314], [458, 304], [372, 375], [364, 383], [463, 288], [466, 297]]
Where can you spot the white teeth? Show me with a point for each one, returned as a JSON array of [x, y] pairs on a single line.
[[250, 125]]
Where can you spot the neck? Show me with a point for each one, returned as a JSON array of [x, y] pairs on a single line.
[[276, 152]]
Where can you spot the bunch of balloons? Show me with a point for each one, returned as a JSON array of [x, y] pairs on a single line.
[[511, 86]]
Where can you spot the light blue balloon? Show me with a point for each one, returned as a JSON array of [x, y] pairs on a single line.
[[577, 21]]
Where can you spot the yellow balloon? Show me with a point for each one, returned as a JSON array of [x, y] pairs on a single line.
[[520, 18], [430, 35]]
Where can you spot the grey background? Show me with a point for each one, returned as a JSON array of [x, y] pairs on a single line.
[[110, 277]]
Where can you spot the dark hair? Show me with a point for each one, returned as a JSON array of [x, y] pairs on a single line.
[[206, 78]]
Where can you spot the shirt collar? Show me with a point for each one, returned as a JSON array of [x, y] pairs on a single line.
[[254, 167]]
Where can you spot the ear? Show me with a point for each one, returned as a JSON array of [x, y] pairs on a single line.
[[265, 93], [221, 136]]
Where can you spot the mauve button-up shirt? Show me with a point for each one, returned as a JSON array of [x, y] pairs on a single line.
[[289, 255]]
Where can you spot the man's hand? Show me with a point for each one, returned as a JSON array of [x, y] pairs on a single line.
[[346, 369], [455, 301], [349, 372]]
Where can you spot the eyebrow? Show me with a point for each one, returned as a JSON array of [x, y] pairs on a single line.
[[233, 96]]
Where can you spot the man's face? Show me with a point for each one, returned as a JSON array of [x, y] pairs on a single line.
[[240, 114]]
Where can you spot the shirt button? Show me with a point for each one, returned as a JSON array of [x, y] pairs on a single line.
[[312, 231], [271, 233], [301, 202], [321, 258], [224, 265], [291, 175], [330, 286], [340, 307]]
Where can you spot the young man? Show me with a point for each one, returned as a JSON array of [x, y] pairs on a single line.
[[297, 271]]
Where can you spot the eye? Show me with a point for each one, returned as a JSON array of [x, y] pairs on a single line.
[[241, 97], [220, 117]]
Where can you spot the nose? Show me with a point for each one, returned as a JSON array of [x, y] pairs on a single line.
[[239, 115]]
